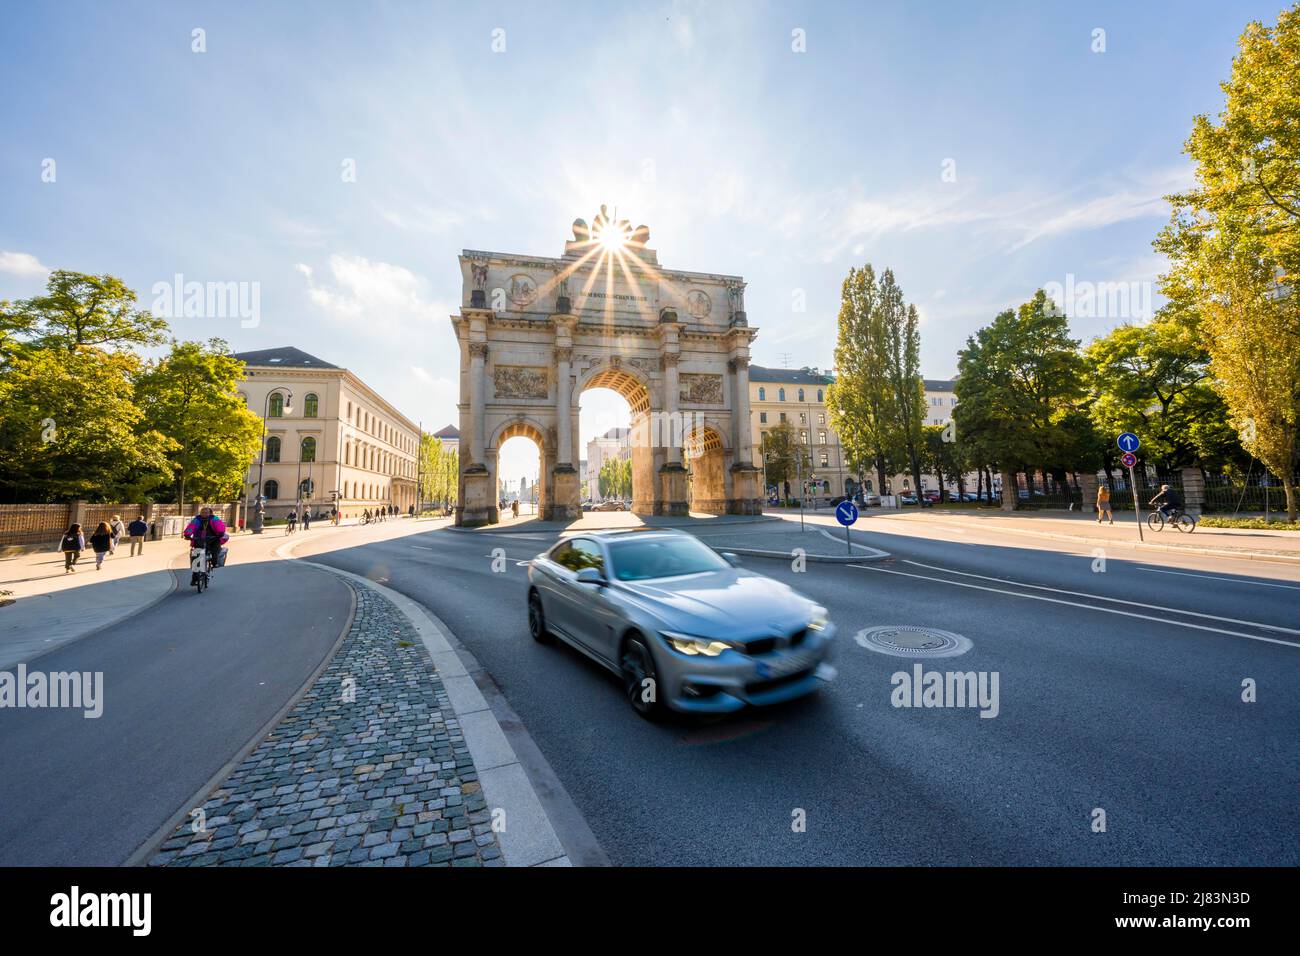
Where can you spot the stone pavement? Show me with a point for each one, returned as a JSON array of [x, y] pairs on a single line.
[[383, 779]]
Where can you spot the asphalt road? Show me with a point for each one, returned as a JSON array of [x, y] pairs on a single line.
[[1120, 690], [187, 683]]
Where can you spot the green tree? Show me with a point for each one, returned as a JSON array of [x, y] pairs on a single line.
[[1018, 378], [70, 428], [79, 311], [1153, 380], [861, 400], [785, 457], [903, 372], [1234, 244], [439, 471], [191, 396]]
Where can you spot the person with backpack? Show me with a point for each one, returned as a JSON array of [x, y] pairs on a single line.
[[137, 529], [101, 542], [73, 543], [292, 523], [118, 529]]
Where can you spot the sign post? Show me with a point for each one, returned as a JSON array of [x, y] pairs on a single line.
[[1128, 444], [846, 512]]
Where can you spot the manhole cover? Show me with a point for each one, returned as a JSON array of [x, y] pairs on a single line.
[[906, 640]]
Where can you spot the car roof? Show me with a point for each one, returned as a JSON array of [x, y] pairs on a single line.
[[613, 534]]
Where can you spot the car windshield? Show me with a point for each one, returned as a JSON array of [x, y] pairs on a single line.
[[662, 557]]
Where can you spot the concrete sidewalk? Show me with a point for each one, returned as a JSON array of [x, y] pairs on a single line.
[[1083, 528]]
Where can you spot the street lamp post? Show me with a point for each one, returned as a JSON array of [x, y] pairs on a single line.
[[261, 465]]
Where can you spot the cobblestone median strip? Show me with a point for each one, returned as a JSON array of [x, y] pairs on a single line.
[[369, 768]]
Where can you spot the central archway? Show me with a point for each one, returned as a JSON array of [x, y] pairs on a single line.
[[635, 391]]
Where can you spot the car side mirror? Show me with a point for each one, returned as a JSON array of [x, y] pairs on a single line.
[[591, 576], [731, 558]]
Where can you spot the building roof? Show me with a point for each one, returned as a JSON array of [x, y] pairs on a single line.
[[450, 431], [793, 376], [940, 384], [615, 434], [283, 356]]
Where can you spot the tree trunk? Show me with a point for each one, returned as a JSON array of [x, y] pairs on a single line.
[[1009, 499], [880, 473], [1288, 485], [979, 483]]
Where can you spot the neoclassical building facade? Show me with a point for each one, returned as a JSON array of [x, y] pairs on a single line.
[[536, 332]]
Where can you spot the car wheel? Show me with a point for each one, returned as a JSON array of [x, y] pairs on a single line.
[[537, 619], [640, 680]]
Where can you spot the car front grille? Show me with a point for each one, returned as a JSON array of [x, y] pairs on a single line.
[[766, 645]]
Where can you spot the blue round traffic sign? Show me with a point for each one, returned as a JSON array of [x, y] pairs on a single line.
[[1128, 442], [1128, 459], [846, 512]]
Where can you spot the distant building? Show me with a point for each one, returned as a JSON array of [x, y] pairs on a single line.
[[335, 434], [450, 438], [615, 443]]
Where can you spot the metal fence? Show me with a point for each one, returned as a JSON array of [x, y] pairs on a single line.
[[1225, 494], [1047, 494], [35, 526], [1148, 486]]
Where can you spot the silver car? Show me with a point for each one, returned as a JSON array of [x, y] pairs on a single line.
[[683, 626]]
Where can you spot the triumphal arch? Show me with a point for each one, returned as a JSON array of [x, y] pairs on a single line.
[[535, 332]]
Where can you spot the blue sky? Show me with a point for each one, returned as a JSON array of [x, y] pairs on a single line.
[[699, 119]]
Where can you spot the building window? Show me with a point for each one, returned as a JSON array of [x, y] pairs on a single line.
[[780, 394], [821, 419], [272, 449], [306, 488], [803, 437], [783, 416], [801, 394], [825, 460], [762, 418], [821, 437], [762, 394], [310, 406], [308, 449], [820, 399], [347, 453], [803, 419], [277, 405], [271, 490]]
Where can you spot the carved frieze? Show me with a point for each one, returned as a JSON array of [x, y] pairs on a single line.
[[700, 388], [520, 381]]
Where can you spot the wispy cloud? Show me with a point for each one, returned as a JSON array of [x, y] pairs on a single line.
[[368, 297]]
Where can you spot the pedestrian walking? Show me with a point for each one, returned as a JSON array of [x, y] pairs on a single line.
[[101, 542], [306, 520], [514, 508], [118, 529], [73, 543], [137, 529], [292, 523], [1103, 503]]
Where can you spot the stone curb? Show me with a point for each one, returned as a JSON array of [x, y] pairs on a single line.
[[529, 838], [493, 529]]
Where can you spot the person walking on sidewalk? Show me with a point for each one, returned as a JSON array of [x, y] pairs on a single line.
[[137, 529], [1103, 503], [292, 523], [306, 519], [118, 529], [101, 542], [73, 543]]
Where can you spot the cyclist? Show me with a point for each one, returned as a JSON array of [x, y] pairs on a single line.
[[1168, 502], [206, 531]]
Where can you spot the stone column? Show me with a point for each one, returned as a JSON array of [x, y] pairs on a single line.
[[478, 400], [745, 493], [1193, 491], [1088, 485], [566, 487], [674, 491], [564, 405]]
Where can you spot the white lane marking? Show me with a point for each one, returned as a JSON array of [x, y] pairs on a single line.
[[1098, 597], [1212, 577], [420, 547], [1090, 607], [865, 547]]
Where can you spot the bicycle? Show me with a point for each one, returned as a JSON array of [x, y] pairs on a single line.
[[1178, 518], [200, 567]]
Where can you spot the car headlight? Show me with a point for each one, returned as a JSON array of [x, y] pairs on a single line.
[[692, 646], [818, 620]]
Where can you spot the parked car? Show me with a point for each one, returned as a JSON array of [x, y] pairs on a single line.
[[685, 628], [907, 498], [609, 506], [870, 500], [587, 506]]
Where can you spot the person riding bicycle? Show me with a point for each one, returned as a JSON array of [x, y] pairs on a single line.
[[1170, 502], [206, 531]]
